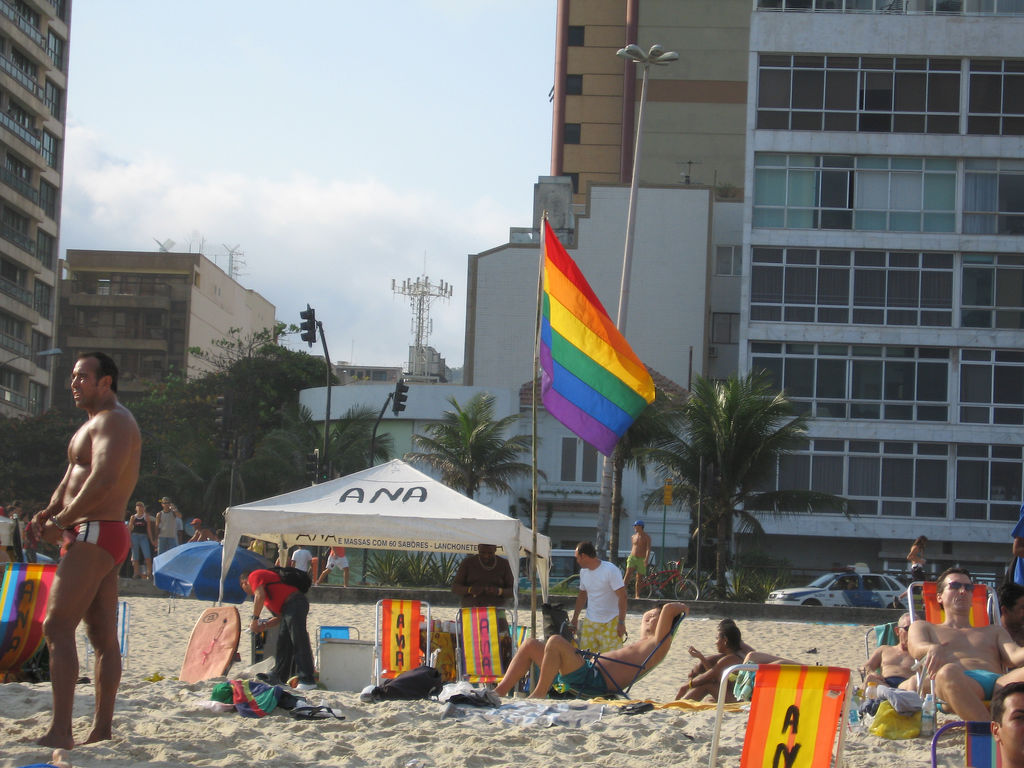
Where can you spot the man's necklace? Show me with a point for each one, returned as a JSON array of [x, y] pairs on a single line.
[[493, 565]]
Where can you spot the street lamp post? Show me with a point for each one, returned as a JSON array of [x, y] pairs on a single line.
[[657, 56]]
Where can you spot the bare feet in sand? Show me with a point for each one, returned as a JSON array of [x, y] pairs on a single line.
[[60, 759], [61, 741]]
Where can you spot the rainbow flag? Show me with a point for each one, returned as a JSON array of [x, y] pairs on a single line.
[[591, 379]]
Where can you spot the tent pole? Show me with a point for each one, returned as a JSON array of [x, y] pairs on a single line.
[[533, 410]]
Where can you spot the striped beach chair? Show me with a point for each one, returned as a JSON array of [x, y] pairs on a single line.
[[24, 593], [480, 638], [397, 646], [980, 749], [797, 716]]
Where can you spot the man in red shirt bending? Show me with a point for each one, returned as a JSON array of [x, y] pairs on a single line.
[[290, 608]]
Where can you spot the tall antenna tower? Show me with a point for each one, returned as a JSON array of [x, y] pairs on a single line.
[[421, 292], [236, 260]]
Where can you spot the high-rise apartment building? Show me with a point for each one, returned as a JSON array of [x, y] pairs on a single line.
[[694, 119], [884, 268], [150, 310], [33, 84]]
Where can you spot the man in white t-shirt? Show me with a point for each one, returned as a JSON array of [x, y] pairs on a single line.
[[301, 559], [604, 593]]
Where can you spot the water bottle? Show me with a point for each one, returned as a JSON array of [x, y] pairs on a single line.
[[854, 717], [928, 716]]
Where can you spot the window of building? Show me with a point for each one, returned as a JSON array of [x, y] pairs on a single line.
[[36, 397], [55, 47], [576, 35], [729, 260], [574, 85], [858, 93], [13, 273], [14, 220], [43, 299], [12, 333], [23, 63], [572, 133], [27, 12], [53, 97], [725, 328], [988, 482], [568, 473], [46, 248], [837, 381], [895, 194], [577, 453], [991, 386], [994, 197], [996, 102], [575, 179], [20, 115], [992, 291], [18, 167], [48, 149], [839, 286], [48, 198], [894, 479]]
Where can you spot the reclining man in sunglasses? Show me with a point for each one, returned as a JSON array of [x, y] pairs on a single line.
[[559, 661], [966, 664]]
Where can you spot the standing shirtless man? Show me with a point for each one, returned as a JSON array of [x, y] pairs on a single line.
[[636, 563], [87, 511]]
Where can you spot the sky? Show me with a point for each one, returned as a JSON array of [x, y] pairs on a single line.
[[339, 145]]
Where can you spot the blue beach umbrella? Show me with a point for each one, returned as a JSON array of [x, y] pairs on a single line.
[[193, 570]]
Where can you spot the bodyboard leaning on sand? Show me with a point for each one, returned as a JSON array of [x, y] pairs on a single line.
[[213, 645]]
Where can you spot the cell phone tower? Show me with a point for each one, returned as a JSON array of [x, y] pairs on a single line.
[[421, 292]]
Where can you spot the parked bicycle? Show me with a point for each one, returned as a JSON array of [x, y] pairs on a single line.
[[670, 582]]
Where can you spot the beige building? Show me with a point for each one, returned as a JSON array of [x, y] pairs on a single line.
[[33, 84], [147, 310], [696, 107]]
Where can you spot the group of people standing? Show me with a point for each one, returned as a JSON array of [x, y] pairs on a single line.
[[151, 536]]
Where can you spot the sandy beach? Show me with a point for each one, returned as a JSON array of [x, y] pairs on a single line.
[[162, 723]]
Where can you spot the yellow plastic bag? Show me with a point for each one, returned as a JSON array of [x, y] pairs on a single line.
[[890, 724]]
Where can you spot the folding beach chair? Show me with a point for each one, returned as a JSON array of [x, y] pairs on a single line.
[[797, 714], [984, 604], [24, 592], [602, 662], [882, 634], [396, 644], [980, 749], [123, 621], [479, 639]]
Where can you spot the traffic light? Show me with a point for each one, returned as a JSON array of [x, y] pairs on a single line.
[[308, 325], [313, 466], [401, 395]]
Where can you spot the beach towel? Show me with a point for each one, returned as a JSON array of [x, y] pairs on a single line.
[[571, 714]]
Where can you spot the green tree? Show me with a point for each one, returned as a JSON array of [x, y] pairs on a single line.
[[350, 441], [34, 456], [734, 432], [468, 448]]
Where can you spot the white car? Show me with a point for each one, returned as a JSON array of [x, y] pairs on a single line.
[[846, 588]]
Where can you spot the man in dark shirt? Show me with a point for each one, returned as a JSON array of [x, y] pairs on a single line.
[[484, 579], [290, 608]]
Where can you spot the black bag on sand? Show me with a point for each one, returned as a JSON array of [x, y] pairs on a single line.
[[420, 683], [556, 621]]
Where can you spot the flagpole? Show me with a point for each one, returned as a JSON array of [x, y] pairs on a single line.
[[533, 408]]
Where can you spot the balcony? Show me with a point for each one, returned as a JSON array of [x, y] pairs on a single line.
[[11, 13], [11, 397], [901, 7], [24, 80], [12, 344], [20, 131], [17, 237], [16, 292], [19, 185]]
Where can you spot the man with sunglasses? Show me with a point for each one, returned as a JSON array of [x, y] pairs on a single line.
[[892, 665], [966, 664]]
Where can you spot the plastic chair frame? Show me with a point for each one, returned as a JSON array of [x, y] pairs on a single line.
[[720, 711], [975, 727]]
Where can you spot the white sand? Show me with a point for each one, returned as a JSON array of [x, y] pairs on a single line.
[[159, 724]]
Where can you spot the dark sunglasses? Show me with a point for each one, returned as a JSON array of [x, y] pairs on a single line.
[[962, 586]]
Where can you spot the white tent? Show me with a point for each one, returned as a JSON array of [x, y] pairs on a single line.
[[392, 506]]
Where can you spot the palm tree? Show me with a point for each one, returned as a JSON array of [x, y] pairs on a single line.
[[734, 432], [468, 448]]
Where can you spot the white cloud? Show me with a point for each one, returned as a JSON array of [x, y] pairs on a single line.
[[335, 243]]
